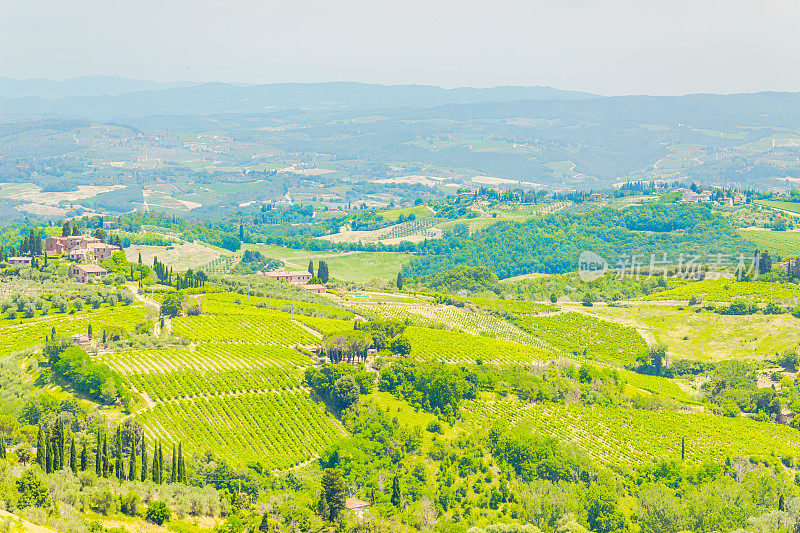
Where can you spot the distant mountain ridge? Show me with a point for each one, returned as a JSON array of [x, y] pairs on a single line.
[[213, 98], [82, 86]]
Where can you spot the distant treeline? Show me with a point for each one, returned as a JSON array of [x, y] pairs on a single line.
[[553, 243]]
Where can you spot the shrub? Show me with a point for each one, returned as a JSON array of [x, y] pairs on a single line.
[[104, 502], [435, 427], [157, 512], [173, 305], [33, 491], [130, 503]]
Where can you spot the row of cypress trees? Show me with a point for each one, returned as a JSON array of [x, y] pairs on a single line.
[[50, 455]]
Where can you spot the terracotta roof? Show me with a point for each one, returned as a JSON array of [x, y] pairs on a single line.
[[355, 503], [91, 269], [281, 273]]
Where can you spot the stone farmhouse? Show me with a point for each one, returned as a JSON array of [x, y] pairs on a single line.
[[295, 277], [86, 273]]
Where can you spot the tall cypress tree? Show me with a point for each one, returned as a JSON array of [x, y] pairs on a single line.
[[174, 474], [181, 465], [144, 460], [2, 447], [311, 267], [322, 271], [41, 448], [154, 471], [84, 456], [118, 471], [61, 439], [333, 494], [48, 455], [54, 443], [54, 451], [160, 463], [105, 456], [73, 455], [397, 496], [132, 462], [98, 457]]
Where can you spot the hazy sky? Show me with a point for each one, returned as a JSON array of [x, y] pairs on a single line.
[[609, 47]]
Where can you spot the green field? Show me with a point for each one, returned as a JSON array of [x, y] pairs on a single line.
[[358, 267], [419, 211], [238, 389], [728, 289], [618, 436], [792, 207], [278, 429], [782, 243], [435, 344], [23, 333], [707, 335], [579, 335]]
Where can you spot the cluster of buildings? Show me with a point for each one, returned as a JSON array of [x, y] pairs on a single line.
[[80, 249], [690, 197], [295, 277]]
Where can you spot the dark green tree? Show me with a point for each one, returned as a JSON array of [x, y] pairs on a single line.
[[105, 457], [132, 462], [118, 455], [322, 271], [84, 456], [603, 513], [764, 262], [397, 496], [33, 492], [160, 463], [400, 281], [48, 454], [181, 465], [345, 392], [264, 526], [98, 457], [311, 267], [41, 448], [154, 471], [73, 455], [683, 448], [59, 438], [144, 461], [65, 229], [2, 447], [157, 512], [333, 494], [173, 477]]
